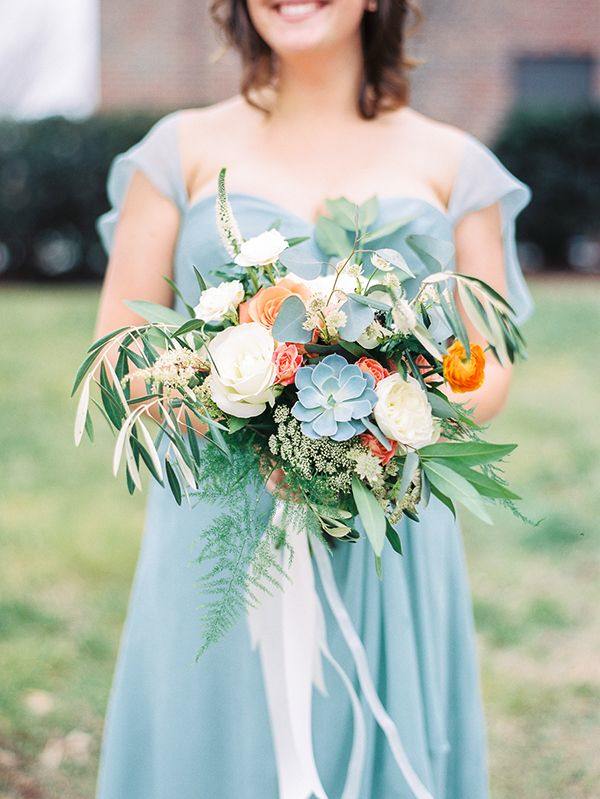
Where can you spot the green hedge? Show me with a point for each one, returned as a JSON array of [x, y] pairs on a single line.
[[558, 154], [52, 189]]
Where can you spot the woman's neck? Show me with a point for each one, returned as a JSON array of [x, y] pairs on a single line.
[[319, 88]]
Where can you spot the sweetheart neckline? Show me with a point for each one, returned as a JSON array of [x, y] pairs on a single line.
[[204, 199]]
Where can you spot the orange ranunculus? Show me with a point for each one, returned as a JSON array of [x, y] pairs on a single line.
[[461, 373], [265, 304]]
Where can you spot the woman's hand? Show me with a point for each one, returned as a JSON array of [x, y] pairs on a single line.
[[276, 483], [278, 487]]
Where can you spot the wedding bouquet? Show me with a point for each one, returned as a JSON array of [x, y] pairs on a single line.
[[335, 373]]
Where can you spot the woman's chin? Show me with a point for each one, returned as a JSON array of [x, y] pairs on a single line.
[[295, 28]]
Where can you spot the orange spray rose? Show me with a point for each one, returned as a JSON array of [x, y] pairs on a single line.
[[287, 359], [377, 449], [372, 367], [461, 373]]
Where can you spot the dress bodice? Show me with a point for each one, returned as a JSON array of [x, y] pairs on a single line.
[[481, 181]]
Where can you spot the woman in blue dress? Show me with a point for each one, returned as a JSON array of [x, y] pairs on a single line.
[[323, 113]]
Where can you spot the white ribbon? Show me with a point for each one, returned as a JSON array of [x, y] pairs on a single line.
[[288, 627]]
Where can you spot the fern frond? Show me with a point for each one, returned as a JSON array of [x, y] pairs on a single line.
[[241, 551]]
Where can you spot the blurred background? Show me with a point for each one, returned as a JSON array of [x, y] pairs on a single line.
[[80, 81]]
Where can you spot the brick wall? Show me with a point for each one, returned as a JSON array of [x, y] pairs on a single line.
[[469, 48], [158, 54], [161, 55]]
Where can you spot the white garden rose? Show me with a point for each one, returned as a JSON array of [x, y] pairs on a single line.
[[261, 250], [216, 302], [242, 369], [403, 317], [403, 412]]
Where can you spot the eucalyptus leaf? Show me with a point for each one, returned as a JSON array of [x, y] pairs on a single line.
[[368, 212], [344, 212], [386, 230], [374, 430], [364, 299], [435, 253], [441, 406], [332, 239], [301, 261], [289, 322], [358, 317], [395, 259]]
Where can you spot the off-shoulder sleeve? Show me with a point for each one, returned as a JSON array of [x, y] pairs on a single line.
[[483, 181], [157, 156]]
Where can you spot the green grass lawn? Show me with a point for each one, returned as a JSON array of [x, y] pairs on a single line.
[[69, 536]]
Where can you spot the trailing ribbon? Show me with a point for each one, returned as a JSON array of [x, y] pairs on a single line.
[[288, 628]]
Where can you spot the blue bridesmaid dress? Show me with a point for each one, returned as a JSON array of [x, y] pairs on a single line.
[[181, 729]]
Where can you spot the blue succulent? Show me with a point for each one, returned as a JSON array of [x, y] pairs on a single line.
[[333, 398]]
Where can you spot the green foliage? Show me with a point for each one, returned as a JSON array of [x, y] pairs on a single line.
[[557, 153]]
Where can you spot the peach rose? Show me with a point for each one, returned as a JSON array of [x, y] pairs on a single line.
[[287, 359], [265, 304], [461, 373], [377, 448], [372, 367]]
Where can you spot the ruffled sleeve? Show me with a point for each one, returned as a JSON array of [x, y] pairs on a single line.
[[157, 156], [483, 181]]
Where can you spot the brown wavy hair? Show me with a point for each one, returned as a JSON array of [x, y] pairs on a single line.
[[384, 86]]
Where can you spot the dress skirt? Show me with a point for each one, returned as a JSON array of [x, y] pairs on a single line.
[[178, 728]]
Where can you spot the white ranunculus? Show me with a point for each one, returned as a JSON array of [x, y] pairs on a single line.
[[261, 250], [403, 412], [216, 302], [403, 317], [242, 369]]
